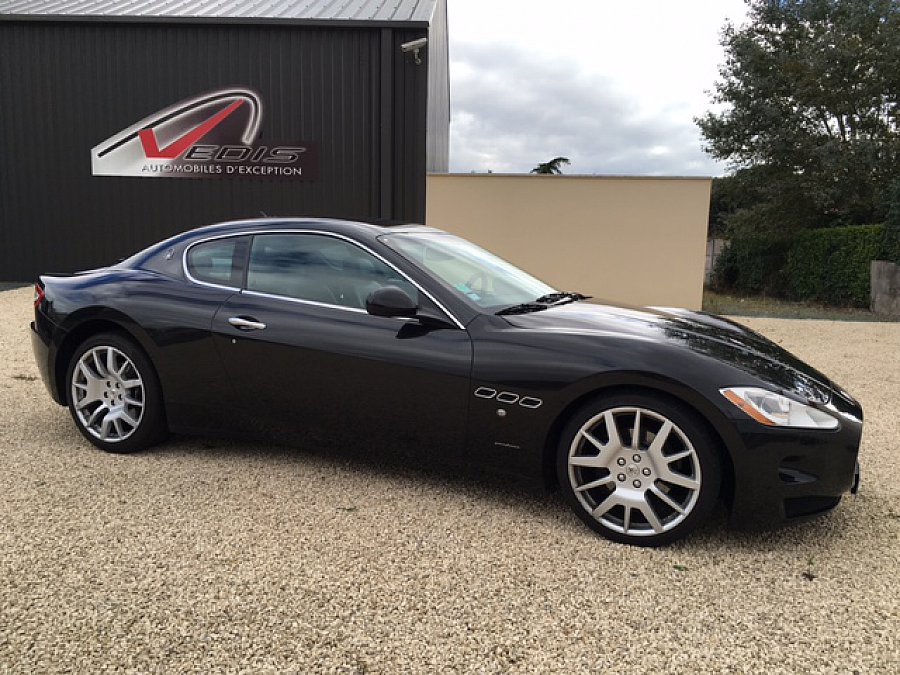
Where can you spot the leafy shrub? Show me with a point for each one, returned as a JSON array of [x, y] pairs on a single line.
[[751, 265], [832, 265], [890, 243]]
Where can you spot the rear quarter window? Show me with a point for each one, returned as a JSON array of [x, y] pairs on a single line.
[[217, 262]]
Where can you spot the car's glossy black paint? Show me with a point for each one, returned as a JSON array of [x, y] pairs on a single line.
[[342, 374]]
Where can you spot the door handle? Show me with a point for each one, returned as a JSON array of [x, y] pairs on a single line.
[[246, 324]]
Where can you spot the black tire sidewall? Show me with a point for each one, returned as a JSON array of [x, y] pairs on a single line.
[[682, 416], [152, 426]]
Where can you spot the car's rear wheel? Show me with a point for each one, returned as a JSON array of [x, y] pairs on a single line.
[[114, 394], [638, 469]]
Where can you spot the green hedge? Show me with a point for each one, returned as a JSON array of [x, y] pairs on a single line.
[[890, 244], [751, 266], [832, 265]]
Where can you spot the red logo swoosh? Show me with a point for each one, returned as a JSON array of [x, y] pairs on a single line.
[[179, 145]]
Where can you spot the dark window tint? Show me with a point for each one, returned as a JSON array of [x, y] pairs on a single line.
[[214, 262], [318, 268]]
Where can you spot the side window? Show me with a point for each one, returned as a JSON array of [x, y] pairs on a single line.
[[217, 262], [318, 268]]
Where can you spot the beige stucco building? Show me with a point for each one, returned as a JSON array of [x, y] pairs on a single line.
[[635, 240]]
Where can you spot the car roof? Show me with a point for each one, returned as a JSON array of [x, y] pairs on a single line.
[[360, 229]]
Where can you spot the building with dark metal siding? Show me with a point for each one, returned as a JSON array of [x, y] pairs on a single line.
[[124, 122]]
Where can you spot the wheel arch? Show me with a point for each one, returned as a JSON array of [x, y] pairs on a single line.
[[82, 325], [725, 439]]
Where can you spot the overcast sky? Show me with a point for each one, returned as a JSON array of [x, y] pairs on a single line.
[[613, 85]]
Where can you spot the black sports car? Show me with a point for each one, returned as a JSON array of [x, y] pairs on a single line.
[[408, 335]]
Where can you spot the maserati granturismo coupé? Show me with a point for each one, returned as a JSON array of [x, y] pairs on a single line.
[[413, 338]]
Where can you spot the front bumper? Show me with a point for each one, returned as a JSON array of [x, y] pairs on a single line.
[[789, 475]]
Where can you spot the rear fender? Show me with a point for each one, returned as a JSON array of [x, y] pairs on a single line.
[[78, 327]]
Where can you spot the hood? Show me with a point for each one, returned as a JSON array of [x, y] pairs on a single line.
[[706, 334]]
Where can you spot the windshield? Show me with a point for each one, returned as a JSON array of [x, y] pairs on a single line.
[[479, 276]]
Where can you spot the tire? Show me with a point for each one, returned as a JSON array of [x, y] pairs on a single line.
[[646, 493], [114, 394]]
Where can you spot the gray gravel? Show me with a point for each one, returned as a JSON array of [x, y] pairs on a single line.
[[214, 556]]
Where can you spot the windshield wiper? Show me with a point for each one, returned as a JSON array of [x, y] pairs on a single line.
[[524, 308], [543, 302], [553, 298]]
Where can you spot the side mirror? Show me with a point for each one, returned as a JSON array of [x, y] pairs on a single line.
[[391, 301]]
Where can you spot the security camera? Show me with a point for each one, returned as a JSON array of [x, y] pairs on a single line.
[[414, 46]]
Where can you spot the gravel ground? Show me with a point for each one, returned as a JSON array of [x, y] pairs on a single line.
[[215, 556]]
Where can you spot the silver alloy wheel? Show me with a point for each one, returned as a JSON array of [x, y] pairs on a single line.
[[634, 471], [107, 394]]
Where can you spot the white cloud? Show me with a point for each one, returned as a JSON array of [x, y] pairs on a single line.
[[613, 86]]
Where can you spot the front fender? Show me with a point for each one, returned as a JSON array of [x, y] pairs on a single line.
[[597, 384]]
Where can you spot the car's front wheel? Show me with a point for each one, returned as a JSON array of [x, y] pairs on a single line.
[[638, 469], [114, 395]]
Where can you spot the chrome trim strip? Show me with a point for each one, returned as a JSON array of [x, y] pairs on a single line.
[[334, 235], [507, 397], [301, 301], [485, 392], [212, 285]]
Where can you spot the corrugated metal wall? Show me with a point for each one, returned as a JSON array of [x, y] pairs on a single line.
[[410, 110], [438, 92], [64, 87]]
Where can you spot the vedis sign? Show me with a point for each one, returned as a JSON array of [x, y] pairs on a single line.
[[210, 136]]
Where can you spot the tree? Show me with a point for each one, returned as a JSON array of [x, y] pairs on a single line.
[[730, 197], [811, 95], [551, 167]]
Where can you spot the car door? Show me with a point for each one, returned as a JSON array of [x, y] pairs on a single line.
[[304, 355]]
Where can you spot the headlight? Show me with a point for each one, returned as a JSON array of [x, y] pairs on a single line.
[[775, 410]]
